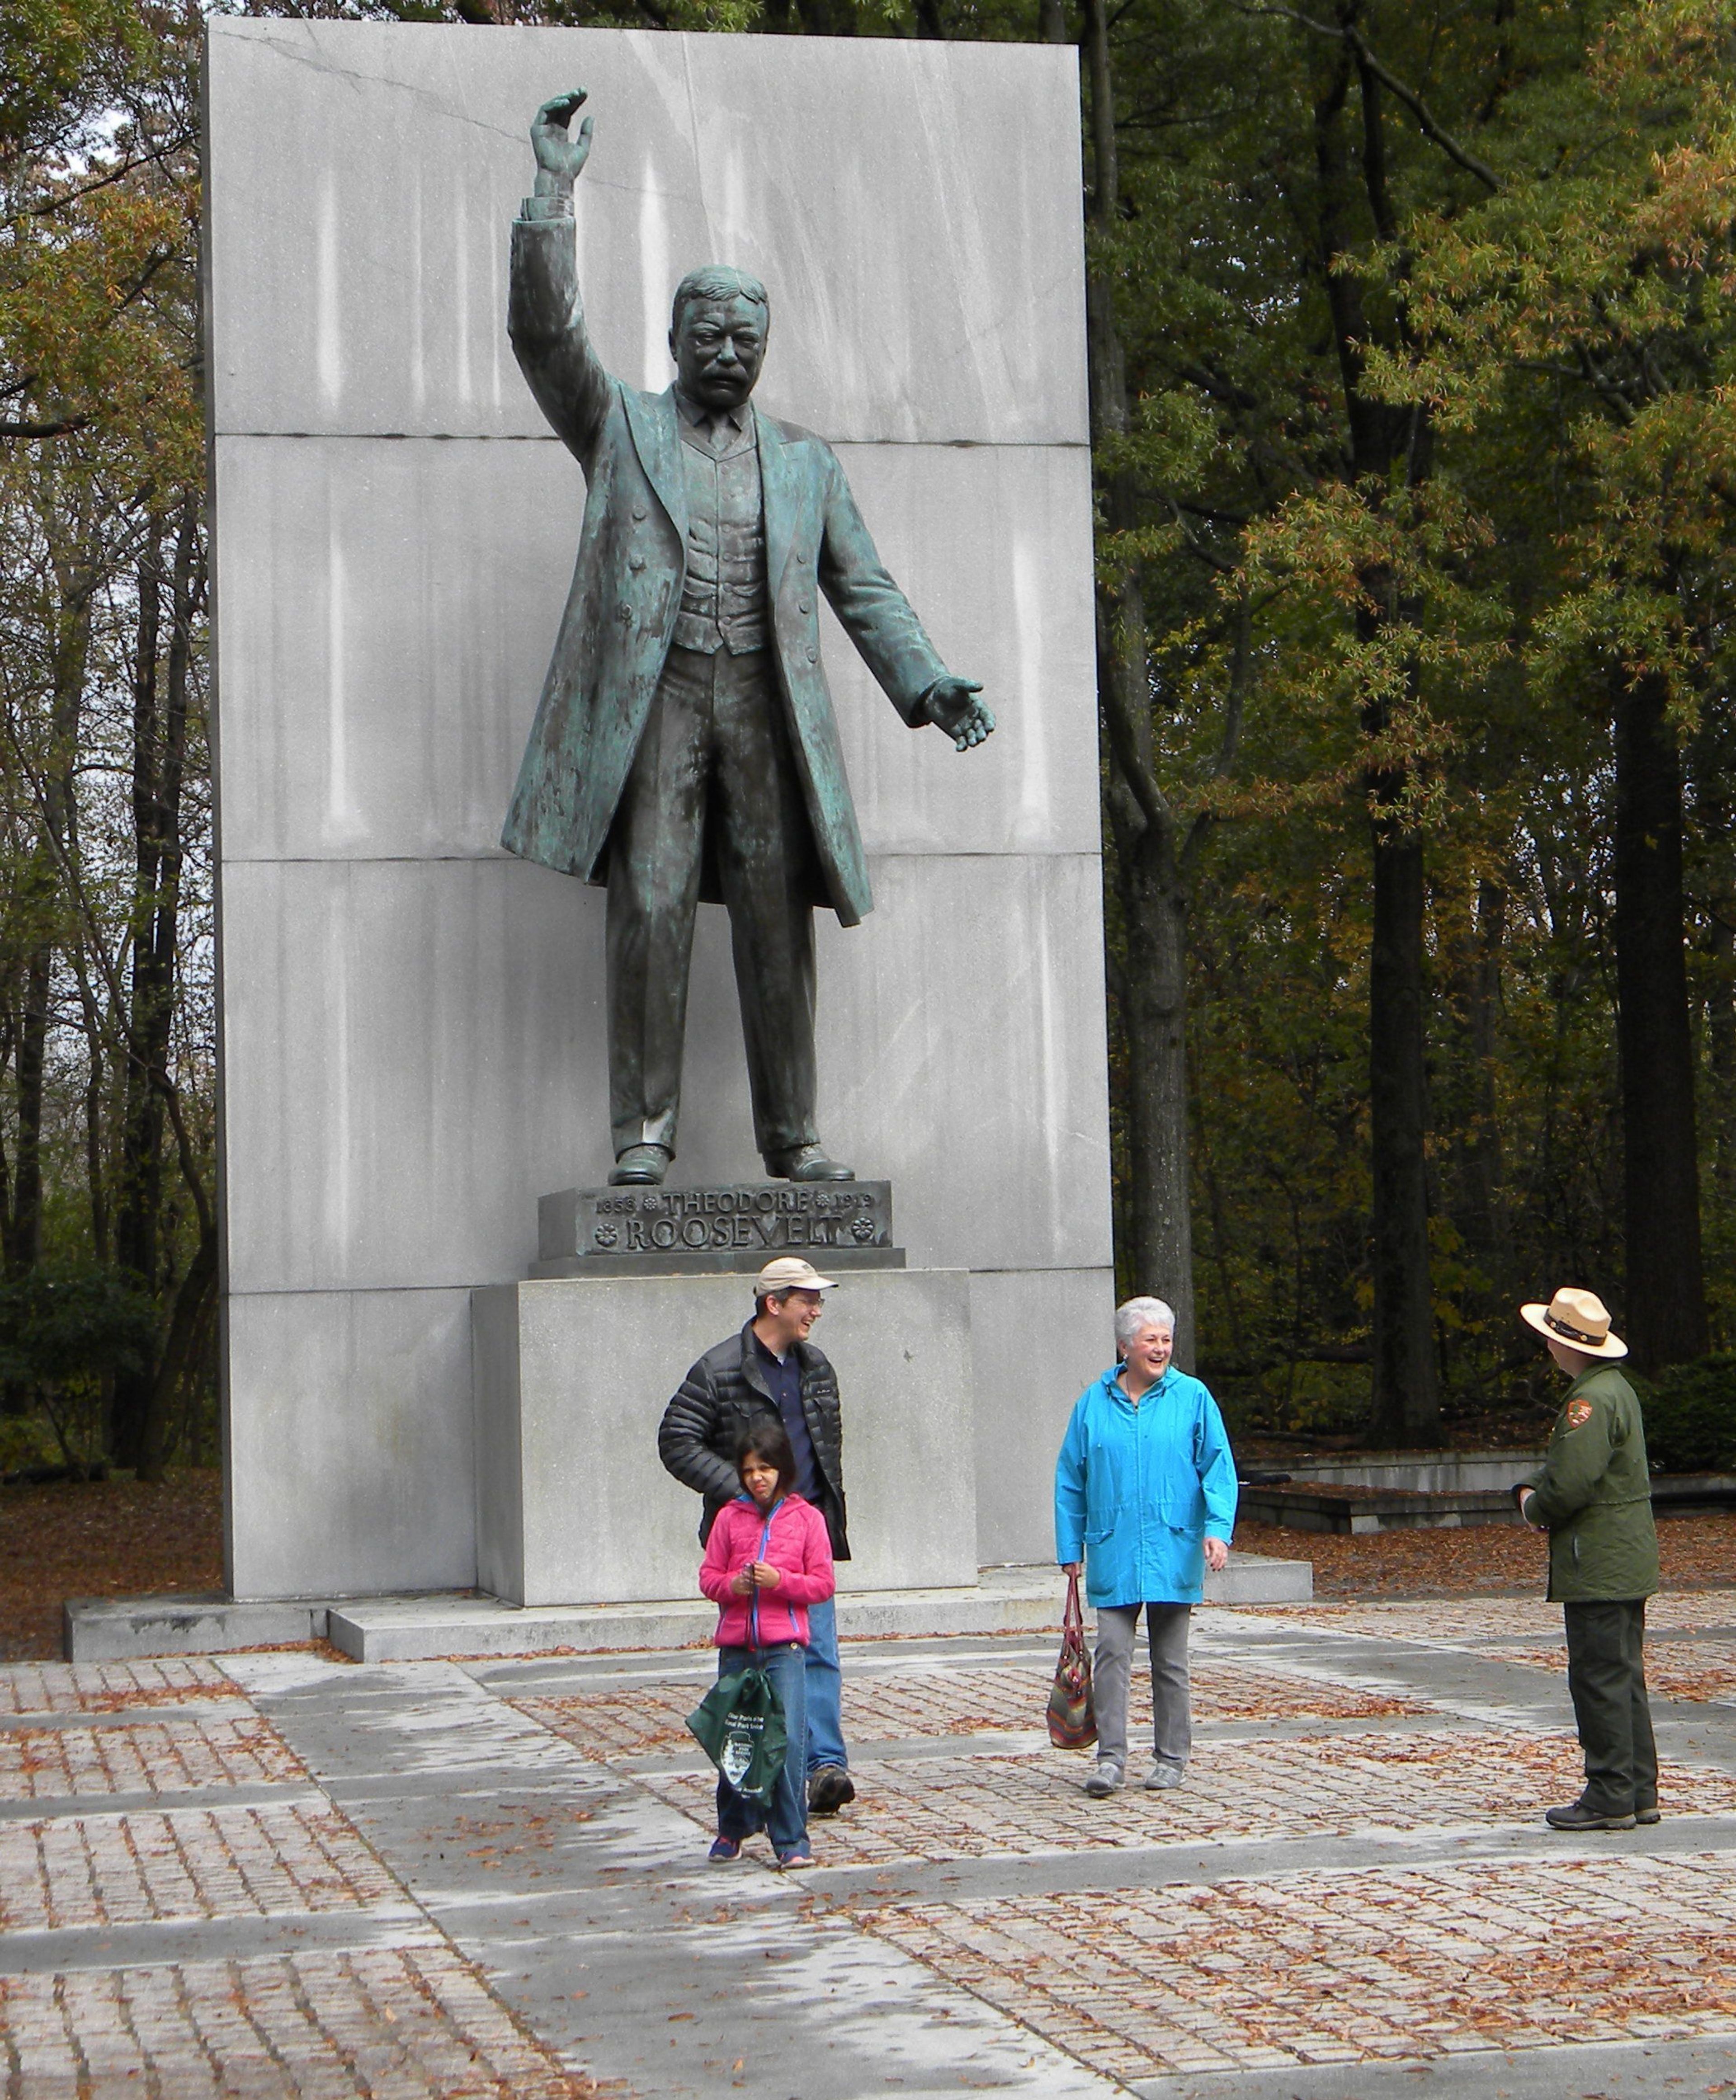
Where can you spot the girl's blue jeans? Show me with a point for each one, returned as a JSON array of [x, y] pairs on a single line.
[[786, 1818]]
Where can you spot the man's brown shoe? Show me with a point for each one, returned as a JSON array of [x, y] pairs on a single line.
[[830, 1788], [1579, 1817]]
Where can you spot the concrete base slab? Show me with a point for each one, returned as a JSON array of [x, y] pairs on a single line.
[[1254, 1579], [1006, 1600], [421, 1628], [123, 1629], [1600, 2071]]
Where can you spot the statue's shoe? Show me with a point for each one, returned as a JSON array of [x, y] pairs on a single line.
[[807, 1163], [640, 1166]]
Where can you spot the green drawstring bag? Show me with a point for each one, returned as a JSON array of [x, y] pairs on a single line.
[[739, 1722], [740, 1726]]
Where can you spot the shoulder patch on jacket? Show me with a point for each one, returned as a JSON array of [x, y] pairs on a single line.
[[1577, 1413]]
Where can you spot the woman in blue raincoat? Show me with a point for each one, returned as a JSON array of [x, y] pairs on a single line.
[[1145, 1500]]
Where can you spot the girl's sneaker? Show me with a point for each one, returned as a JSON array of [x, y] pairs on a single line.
[[795, 1856], [725, 1851]]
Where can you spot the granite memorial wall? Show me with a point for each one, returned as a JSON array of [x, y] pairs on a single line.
[[411, 1021]]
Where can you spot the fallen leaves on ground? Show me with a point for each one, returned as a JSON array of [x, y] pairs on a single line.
[[102, 1538], [1695, 1553]]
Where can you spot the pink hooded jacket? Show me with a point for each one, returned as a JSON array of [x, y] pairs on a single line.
[[793, 1540]]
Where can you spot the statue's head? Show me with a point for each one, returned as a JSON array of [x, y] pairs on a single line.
[[718, 330]]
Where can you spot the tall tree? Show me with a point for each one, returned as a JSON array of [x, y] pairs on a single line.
[[1601, 272]]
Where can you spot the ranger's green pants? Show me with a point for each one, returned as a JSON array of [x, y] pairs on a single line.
[[1607, 1680]]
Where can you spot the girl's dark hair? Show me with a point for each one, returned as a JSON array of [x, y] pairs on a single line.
[[768, 1439]]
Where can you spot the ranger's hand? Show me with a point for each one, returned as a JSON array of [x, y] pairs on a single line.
[[953, 706], [1217, 1554], [559, 159]]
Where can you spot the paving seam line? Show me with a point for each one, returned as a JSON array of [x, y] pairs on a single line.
[[402, 1912], [53, 1719], [192, 1800]]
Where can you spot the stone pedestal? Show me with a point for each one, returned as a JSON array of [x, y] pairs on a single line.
[[571, 1378], [412, 1026]]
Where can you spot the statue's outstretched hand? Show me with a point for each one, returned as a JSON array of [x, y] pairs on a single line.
[[953, 706], [557, 155]]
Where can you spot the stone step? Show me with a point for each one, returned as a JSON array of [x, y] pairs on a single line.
[[1006, 1600], [123, 1629]]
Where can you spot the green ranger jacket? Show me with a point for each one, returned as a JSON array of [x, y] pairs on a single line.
[[1593, 1496]]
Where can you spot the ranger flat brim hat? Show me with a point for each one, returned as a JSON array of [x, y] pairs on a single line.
[[1580, 1319]]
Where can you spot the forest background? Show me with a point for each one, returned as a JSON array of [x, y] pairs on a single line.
[[1412, 335]]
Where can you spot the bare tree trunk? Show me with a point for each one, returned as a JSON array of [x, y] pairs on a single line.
[[1720, 1049], [1148, 871], [142, 1400], [140, 1189], [1485, 1210], [24, 1222], [42, 894], [1155, 1013], [1666, 1294], [1385, 439], [1406, 1406], [179, 1362], [1710, 765]]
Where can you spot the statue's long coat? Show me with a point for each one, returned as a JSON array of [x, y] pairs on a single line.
[[626, 590]]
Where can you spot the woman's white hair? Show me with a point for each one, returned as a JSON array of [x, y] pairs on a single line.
[[1132, 1318]]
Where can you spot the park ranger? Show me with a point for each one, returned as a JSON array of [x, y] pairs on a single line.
[[1593, 1498]]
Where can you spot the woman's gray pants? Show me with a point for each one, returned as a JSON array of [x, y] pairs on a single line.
[[1172, 1710]]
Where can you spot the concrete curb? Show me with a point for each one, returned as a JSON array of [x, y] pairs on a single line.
[[418, 1629]]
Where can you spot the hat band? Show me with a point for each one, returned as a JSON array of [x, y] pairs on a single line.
[[1574, 1334]]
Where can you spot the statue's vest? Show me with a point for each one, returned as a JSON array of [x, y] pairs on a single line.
[[723, 596]]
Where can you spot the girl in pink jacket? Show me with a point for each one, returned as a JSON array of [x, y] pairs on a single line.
[[767, 1559]]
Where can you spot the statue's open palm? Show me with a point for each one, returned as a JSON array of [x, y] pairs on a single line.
[[953, 707], [557, 154]]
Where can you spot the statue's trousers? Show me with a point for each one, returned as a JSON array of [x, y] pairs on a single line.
[[715, 756]]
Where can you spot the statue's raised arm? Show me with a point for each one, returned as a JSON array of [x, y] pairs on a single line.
[[544, 316]]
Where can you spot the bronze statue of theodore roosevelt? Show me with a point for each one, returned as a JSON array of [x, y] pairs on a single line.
[[685, 746]]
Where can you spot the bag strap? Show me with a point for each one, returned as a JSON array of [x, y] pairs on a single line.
[[765, 1545], [1072, 1613]]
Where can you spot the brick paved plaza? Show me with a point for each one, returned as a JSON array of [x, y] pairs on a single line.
[[282, 1874]]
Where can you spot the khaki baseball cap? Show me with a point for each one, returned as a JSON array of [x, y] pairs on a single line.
[[789, 1272]]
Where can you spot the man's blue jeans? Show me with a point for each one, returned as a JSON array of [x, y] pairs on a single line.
[[786, 1818], [825, 1688]]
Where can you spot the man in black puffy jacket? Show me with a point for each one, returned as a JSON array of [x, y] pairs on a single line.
[[771, 1367]]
